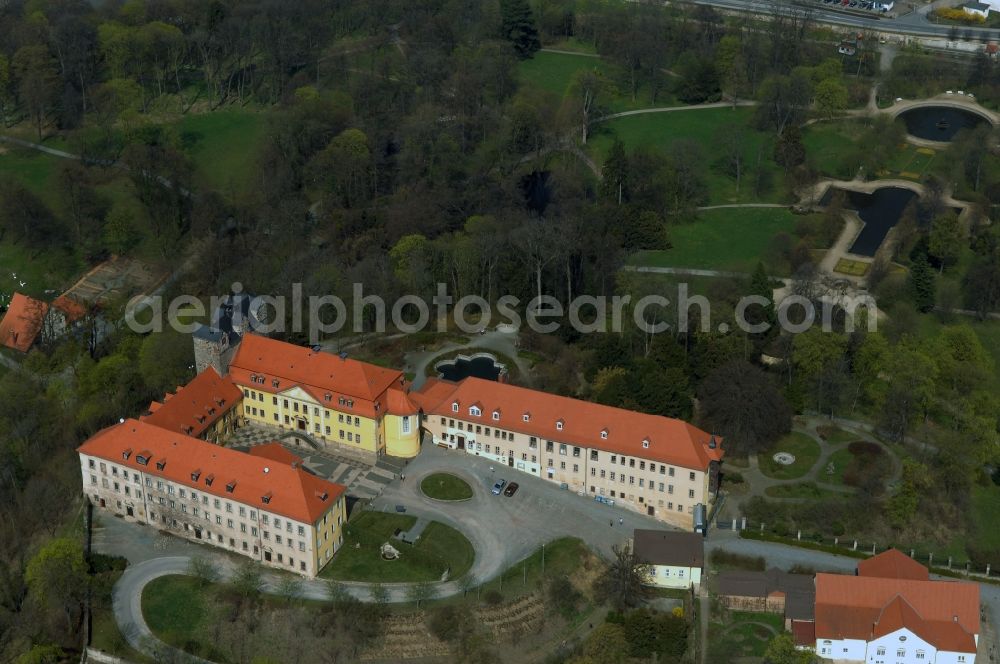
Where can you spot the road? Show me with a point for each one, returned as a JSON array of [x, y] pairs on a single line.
[[912, 24]]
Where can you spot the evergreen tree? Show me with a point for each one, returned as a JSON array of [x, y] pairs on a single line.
[[614, 184], [922, 284], [518, 27]]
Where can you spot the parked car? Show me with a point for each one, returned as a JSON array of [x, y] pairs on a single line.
[[498, 487], [511, 489]]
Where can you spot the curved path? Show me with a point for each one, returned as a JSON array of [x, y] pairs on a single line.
[[502, 530], [674, 109]]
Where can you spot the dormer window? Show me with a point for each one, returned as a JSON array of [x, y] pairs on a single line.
[[127, 453], [496, 415], [201, 419], [454, 406], [526, 417], [275, 382], [266, 498], [559, 425], [322, 495], [231, 487], [645, 443], [328, 397], [604, 434], [195, 475], [142, 458], [209, 479], [161, 464], [475, 411]]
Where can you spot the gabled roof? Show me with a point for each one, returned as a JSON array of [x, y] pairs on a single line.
[[672, 548], [943, 613], [71, 309], [320, 374], [799, 589], [292, 492], [275, 451], [22, 322], [893, 564], [635, 434], [196, 406]]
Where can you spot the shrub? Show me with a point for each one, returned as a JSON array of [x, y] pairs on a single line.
[[100, 563], [493, 598], [753, 563], [564, 596]]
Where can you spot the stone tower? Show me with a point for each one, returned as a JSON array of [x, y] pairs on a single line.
[[216, 344]]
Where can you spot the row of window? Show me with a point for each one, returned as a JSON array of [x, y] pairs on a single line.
[[253, 395], [642, 499]]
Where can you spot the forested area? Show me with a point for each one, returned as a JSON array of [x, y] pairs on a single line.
[[400, 147]]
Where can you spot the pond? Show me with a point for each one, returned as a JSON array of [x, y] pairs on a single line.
[[481, 365], [939, 123], [880, 210]]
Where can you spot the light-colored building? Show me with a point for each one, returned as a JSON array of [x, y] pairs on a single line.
[[208, 407], [675, 559], [255, 505], [900, 618], [980, 9], [343, 404], [656, 465]]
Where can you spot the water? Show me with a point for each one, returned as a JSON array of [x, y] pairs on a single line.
[[939, 123], [880, 210], [479, 367]]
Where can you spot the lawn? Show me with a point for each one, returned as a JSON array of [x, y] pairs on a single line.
[[804, 448], [742, 635], [986, 516], [724, 239], [439, 548], [553, 72], [32, 168], [566, 556], [835, 435], [224, 145], [445, 486], [174, 608], [53, 269], [659, 131], [831, 147]]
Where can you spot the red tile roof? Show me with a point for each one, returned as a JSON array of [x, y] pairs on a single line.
[[666, 440], [319, 374], [944, 613], [72, 309], [893, 564], [275, 451], [293, 492], [804, 633], [432, 392], [22, 322], [196, 406]]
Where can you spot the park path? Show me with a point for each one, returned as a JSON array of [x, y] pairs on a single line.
[[676, 109], [729, 206]]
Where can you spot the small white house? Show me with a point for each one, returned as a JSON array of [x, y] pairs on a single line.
[[976, 9], [675, 559]]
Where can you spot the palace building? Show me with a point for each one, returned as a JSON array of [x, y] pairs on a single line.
[[264, 506], [340, 403], [656, 465], [204, 408]]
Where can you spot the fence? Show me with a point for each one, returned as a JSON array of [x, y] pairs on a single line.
[[942, 564]]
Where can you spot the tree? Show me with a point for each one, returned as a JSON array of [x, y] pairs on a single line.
[[781, 650], [166, 360], [379, 594], [518, 27], [248, 580], [623, 583], [921, 283], [345, 169], [289, 588], [57, 577], [586, 98], [831, 97], [946, 239], [337, 592], [37, 81], [121, 233], [203, 569], [740, 402], [614, 175], [981, 285]]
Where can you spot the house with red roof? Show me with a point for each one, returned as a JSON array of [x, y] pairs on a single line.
[[657, 465], [207, 407], [338, 403], [256, 505], [23, 322], [891, 612]]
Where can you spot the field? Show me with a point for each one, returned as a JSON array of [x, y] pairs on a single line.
[[831, 147], [39, 270], [835, 435], [911, 162], [224, 145], [660, 131], [33, 168], [806, 452], [439, 549], [724, 239], [174, 608], [851, 267], [802, 490]]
